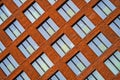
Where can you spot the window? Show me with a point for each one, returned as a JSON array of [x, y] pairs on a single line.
[[115, 26], [113, 63], [48, 28], [34, 12], [2, 47], [95, 76], [78, 63], [42, 64], [63, 45], [87, 1], [52, 1], [4, 13], [14, 30], [19, 2], [58, 76], [28, 46], [83, 27], [8, 65], [104, 8], [99, 44], [68, 10], [22, 76]]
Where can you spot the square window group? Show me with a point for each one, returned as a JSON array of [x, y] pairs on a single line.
[[57, 76], [63, 45], [8, 65], [83, 26], [42, 64], [4, 13], [113, 62], [68, 10], [78, 63], [99, 44], [34, 12], [28, 46], [115, 25], [48, 28], [95, 75], [14, 30], [104, 8]]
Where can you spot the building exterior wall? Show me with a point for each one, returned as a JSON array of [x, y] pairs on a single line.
[[97, 63]]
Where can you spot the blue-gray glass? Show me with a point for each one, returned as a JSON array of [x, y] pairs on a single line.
[[58, 76], [52, 1], [4, 68], [42, 64], [73, 68], [83, 27], [28, 46], [2, 47], [115, 25], [113, 62], [99, 44], [78, 63], [22, 76], [111, 67], [95, 76], [63, 45], [58, 49], [104, 8], [19, 2], [4, 13], [8, 65], [14, 30], [68, 10], [34, 12], [48, 28]]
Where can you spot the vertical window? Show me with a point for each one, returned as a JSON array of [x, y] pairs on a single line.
[[83, 27], [113, 63], [28, 46], [63, 45], [68, 10], [2, 47], [87, 1], [99, 44], [34, 12], [78, 63], [95, 76], [48, 28], [14, 30], [42, 64], [22, 76], [8, 65], [52, 1], [104, 8], [4, 13], [58, 76], [19, 2], [115, 25]]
